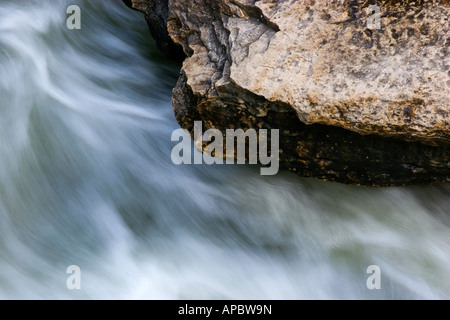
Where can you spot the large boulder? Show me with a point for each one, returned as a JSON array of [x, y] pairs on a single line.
[[355, 102]]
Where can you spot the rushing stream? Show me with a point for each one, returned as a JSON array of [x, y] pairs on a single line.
[[86, 179]]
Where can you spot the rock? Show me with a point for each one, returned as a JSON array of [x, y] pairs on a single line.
[[156, 14], [353, 103]]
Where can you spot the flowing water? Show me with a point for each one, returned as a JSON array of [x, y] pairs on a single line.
[[86, 179]]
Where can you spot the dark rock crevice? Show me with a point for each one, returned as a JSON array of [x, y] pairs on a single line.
[[157, 14]]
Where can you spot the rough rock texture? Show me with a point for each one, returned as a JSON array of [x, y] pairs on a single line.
[[353, 104]]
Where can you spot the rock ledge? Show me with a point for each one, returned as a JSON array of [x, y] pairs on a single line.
[[353, 104]]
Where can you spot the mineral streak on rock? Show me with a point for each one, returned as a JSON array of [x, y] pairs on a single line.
[[353, 104]]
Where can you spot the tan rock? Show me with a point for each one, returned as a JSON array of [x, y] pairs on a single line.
[[353, 103], [332, 69]]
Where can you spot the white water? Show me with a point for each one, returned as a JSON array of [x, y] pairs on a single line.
[[86, 178]]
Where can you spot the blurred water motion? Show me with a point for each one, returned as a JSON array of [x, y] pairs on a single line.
[[86, 179]]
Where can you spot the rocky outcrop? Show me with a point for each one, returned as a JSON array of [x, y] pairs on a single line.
[[354, 103], [156, 14]]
